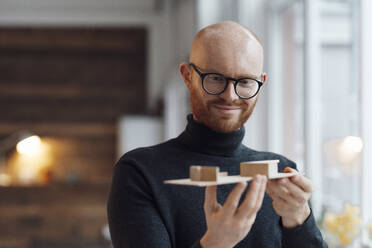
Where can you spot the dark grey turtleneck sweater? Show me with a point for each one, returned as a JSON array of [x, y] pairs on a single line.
[[144, 212]]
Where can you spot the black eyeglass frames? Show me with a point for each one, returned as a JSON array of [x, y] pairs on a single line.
[[216, 83]]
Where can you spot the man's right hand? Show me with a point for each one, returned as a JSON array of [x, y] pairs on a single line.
[[227, 225]]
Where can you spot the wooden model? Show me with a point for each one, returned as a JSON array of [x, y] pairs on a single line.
[[202, 176]]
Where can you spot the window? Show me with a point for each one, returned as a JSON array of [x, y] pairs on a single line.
[[316, 106]]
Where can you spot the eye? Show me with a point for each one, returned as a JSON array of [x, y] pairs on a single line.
[[247, 83], [217, 78]]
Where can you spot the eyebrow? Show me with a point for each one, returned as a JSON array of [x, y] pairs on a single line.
[[244, 76]]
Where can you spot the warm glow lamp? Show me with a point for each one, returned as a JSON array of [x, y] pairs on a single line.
[[29, 145], [26, 143], [345, 152]]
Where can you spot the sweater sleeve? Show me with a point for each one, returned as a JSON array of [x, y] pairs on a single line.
[[196, 245], [306, 235], [134, 220]]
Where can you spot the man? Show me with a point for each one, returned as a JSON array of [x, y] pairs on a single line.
[[224, 77]]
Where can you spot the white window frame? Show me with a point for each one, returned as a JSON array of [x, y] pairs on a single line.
[[366, 116], [312, 74], [313, 140]]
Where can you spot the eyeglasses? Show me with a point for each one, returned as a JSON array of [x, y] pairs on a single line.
[[216, 83]]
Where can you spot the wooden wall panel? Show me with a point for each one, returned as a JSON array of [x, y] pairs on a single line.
[[69, 86], [54, 81], [127, 40], [88, 69], [54, 215]]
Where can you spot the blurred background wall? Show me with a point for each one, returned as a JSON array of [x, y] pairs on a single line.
[[82, 82]]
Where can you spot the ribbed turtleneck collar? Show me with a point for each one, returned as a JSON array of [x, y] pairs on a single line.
[[200, 138]]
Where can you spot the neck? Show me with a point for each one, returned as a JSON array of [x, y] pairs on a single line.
[[200, 138]]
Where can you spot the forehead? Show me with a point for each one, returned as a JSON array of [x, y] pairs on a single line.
[[235, 59]]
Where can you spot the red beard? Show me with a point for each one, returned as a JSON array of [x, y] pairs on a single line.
[[202, 113]]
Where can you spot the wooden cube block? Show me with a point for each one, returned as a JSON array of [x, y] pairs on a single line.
[[267, 167], [204, 173]]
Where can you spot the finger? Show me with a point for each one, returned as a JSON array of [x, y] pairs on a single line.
[[248, 205], [210, 201], [270, 187], [273, 188], [276, 198], [288, 199], [304, 183], [232, 201], [261, 194], [296, 192], [282, 195], [300, 180], [290, 193], [281, 191], [280, 205], [289, 170]]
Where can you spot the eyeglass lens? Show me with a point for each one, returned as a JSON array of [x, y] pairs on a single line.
[[215, 84]]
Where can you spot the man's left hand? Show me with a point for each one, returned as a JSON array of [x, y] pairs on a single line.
[[290, 198]]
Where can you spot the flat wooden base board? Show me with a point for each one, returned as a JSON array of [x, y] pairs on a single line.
[[222, 180]]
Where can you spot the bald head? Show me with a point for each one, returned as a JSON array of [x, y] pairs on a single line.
[[227, 45], [232, 50]]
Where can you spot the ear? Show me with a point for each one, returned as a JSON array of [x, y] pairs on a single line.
[[264, 77], [185, 71]]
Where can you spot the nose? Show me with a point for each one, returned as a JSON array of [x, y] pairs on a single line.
[[229, 94]]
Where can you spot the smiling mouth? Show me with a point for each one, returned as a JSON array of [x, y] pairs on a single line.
[[222, 107]]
